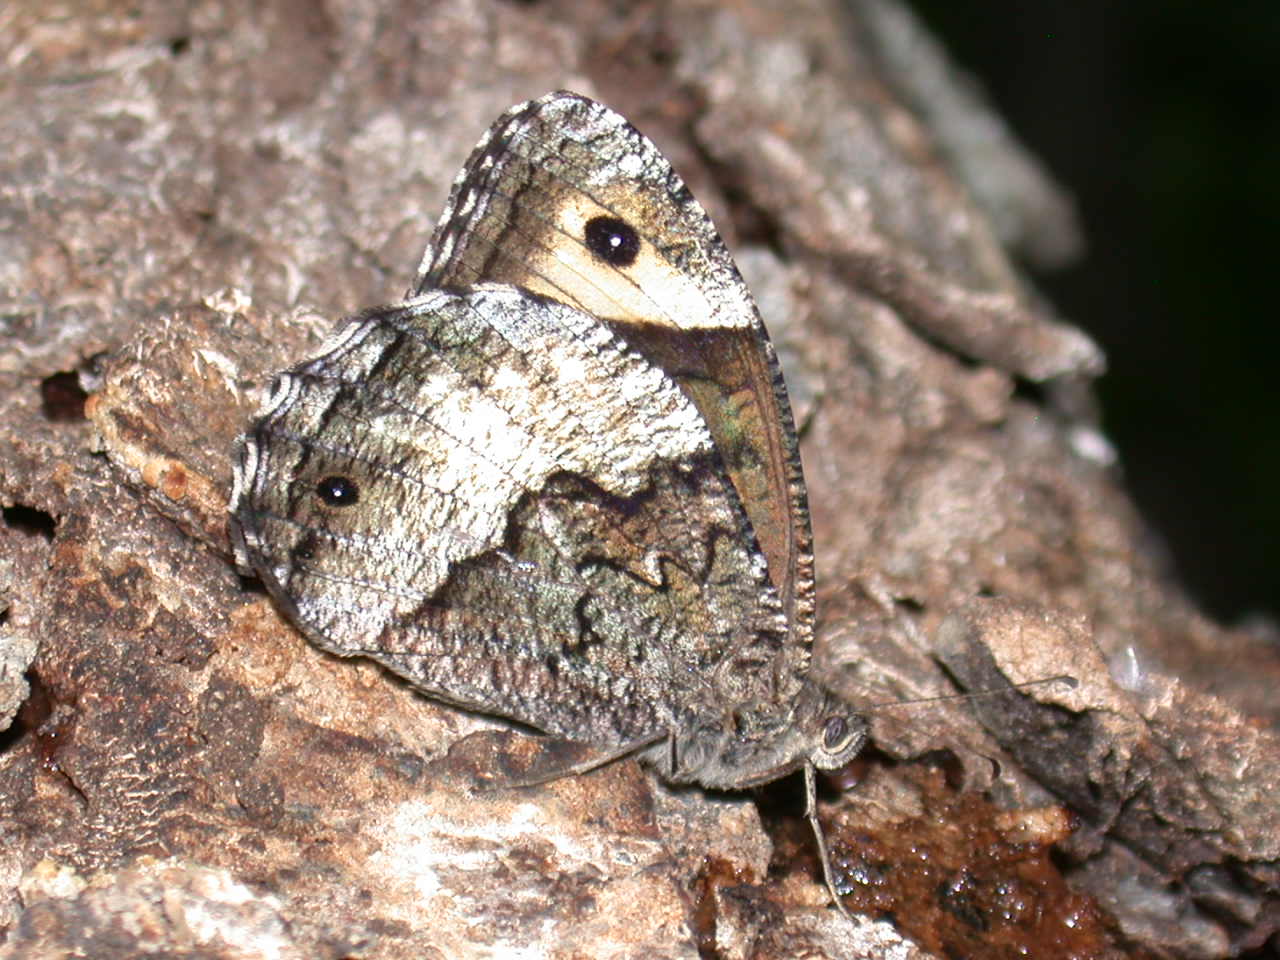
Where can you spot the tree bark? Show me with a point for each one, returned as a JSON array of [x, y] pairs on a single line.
[[193, 195]]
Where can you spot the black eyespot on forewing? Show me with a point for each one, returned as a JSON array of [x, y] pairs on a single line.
[[338, 491], [612, 240]]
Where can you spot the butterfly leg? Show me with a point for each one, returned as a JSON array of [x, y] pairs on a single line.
[[811, 813]]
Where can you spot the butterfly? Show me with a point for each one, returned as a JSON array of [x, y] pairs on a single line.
[[560, 481]]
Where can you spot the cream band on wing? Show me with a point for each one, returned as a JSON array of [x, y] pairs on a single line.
[[649, 289]]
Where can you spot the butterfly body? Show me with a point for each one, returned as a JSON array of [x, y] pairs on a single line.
[[560, 481]]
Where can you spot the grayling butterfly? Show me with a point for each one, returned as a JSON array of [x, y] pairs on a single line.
[[578, 387]]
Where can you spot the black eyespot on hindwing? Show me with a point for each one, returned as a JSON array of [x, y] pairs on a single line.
[[612, 240], [338, 491]]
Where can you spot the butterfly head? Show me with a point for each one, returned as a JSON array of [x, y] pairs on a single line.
[[844, 734], [819, 730]]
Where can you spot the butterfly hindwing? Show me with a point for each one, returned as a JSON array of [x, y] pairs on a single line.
[[411, 495]]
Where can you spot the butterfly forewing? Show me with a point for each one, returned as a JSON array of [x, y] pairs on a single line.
[[565, 198]]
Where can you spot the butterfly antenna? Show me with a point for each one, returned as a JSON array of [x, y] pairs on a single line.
[[1071, 683]]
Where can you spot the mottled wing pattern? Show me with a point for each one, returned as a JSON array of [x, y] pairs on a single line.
[[565, 198], [496, 498]]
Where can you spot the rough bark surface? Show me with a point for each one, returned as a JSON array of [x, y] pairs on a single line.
[[193, 193]]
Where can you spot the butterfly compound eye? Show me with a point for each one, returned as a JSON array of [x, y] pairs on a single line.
[[612, 240], [834, 733], [338, 492]]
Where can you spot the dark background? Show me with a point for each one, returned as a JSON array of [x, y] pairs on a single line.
[[1163, 120]]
